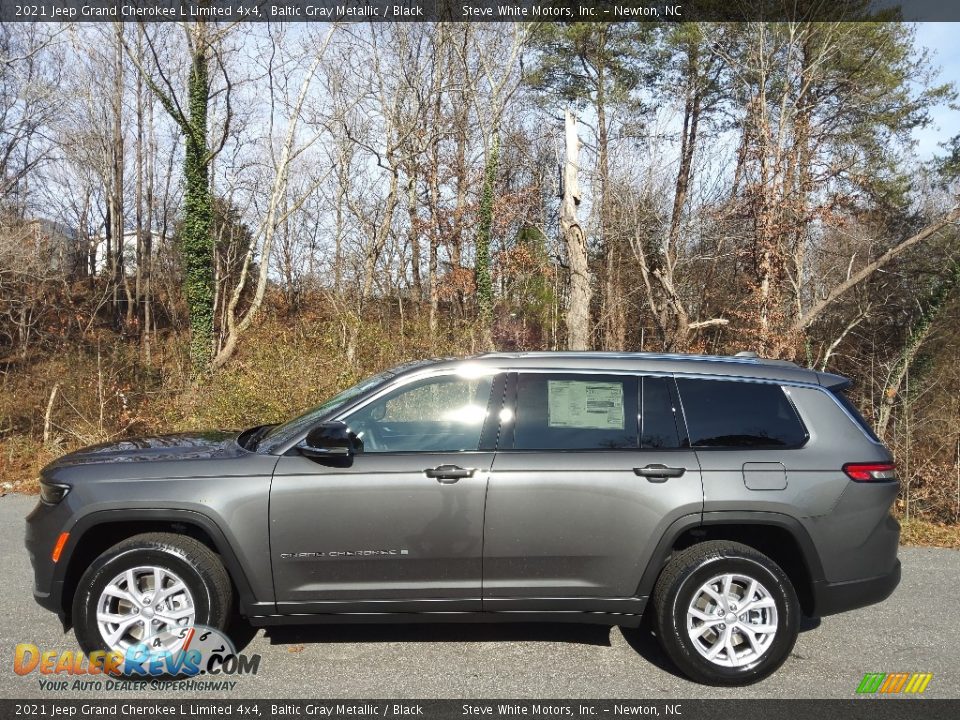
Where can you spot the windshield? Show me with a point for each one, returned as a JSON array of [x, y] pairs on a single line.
[[301, 423]]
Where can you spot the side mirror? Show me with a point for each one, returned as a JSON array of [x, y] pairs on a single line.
[[330, 440]]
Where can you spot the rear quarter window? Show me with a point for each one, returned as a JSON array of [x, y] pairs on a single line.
[[739, 414]]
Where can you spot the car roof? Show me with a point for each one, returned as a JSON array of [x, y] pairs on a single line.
[[744, 365]]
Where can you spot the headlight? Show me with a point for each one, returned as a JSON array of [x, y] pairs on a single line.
[[52, 493]]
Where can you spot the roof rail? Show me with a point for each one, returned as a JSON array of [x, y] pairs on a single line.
[[747, 356]]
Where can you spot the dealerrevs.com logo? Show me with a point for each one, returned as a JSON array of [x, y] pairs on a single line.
[[200, 651]]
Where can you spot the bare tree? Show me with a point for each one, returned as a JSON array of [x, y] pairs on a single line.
[[279, 207], [190, 113]]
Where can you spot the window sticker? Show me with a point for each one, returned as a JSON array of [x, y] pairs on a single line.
[[585, 404]]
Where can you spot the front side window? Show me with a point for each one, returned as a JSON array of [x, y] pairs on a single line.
[[733, 414], [439, 414], [575, 412]]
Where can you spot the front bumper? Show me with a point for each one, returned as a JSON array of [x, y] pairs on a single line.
[[832, 598], [44, 524]]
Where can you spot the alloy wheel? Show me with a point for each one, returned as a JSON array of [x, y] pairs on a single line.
[[732, 620], [145, 604]]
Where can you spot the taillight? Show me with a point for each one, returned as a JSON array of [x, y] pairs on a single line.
[[870, 472]]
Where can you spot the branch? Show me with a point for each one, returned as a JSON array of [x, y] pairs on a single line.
[[839, 339], [169, 101], [708, 323], [866, 271], [211, 154], [47, 415]]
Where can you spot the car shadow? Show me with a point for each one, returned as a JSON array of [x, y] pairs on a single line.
[[439, 632], [642, 639], [240, 632], [809, 623]]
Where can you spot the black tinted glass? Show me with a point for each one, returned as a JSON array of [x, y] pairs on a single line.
[[575, 412], [722, 413], [657, 419]]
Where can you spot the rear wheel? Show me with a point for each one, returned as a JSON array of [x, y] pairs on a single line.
[[148, 588], [726, 614]]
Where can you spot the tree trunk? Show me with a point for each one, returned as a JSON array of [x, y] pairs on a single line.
[[196, 243], [117, 156], [483, 282], [138, 210], [610, 299], [676, 320], [414, 235], [578, 306], [147, 272]]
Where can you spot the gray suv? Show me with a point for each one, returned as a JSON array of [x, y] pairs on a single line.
[[722, 498]]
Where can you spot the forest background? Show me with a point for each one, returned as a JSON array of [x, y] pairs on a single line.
[[219, 225]]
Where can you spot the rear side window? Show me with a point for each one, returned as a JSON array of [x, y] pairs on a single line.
[[852, 410], [734, 414], [658, 416], [575, 412]]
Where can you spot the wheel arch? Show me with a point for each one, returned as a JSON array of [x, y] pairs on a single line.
[[95, 533], [781, 537]]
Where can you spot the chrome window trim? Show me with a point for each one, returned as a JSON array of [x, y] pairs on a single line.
[[483, 369]]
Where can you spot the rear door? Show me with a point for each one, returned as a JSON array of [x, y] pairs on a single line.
[[590, 470]]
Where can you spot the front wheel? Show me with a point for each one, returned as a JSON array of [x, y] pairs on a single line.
[[726, 613], [146, 590]]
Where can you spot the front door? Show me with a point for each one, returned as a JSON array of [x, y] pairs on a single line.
[[581, 490], [400, 527]]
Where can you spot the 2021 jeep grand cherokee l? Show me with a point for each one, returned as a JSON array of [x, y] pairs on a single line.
[[730, 494]]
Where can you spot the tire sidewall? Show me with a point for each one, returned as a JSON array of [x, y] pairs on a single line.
[[780, 589], [107, 567]]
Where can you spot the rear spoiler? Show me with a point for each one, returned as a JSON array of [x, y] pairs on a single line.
[[834, 382]]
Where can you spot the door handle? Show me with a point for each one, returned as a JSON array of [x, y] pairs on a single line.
[[448, 474], [658, 472]]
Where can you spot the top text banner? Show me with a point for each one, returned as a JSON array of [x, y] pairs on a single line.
[[477, 10]]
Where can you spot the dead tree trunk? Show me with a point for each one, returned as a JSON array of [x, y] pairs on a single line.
[[578, 305]]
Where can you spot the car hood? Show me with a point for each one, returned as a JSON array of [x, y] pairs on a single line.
[[182, 446]]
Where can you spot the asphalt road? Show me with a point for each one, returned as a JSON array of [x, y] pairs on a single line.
[[916, 630]]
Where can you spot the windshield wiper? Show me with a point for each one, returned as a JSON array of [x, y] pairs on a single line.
[[250, 438]]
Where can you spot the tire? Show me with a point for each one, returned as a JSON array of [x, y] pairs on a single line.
[[195, 589], [694, 615]]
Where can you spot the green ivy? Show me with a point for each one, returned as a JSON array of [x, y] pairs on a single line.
[[482, 271], [196, 242]]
